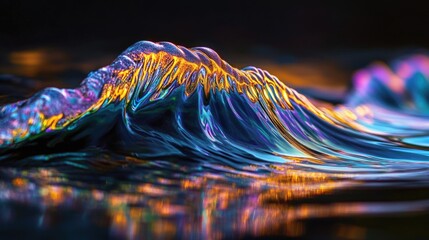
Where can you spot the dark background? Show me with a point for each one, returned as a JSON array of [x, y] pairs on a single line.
[[287, 26]]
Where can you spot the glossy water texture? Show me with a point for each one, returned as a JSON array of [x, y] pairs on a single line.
[[175, 142]]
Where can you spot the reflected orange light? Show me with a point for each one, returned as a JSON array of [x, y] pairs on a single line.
[[19, 182], [55, 195], [27, 58], [258, 209]]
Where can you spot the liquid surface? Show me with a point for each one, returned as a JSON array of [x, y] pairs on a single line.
[[175, 142]]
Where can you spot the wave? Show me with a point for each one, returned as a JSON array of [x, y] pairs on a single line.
[[159, 99]]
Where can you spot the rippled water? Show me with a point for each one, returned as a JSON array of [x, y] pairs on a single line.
[[174, 142]]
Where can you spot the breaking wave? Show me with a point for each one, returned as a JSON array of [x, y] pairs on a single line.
[[160, 100]]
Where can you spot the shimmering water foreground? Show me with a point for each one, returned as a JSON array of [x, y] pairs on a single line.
[[167, 136]]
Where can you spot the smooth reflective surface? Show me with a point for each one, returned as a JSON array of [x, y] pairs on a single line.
[[352, 170]]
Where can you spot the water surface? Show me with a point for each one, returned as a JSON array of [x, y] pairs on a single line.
[[168, 142]]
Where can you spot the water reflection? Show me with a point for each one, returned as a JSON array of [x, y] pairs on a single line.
[[202, 206], [199, 205]]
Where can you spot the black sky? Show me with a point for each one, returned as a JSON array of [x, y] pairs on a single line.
[[300, 26]]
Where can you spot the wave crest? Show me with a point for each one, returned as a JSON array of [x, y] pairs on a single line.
[[160, 99]]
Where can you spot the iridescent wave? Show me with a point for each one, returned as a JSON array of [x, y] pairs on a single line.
[[159, 99]]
